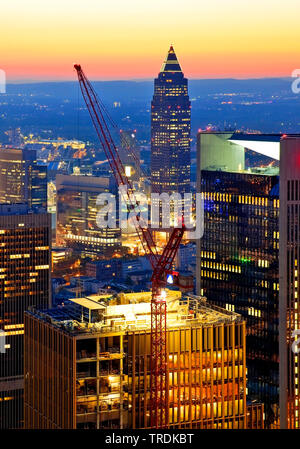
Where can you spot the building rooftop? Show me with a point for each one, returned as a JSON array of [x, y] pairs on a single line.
[[131, 312], [88, 303], [236, 152]]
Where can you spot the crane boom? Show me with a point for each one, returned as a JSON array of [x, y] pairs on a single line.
[[161, 264], [97, 115]]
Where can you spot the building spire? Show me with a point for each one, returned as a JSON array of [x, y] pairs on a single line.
[[171, 63]]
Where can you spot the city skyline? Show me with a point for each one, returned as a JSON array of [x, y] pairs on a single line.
[[149, 215], [103, 37]]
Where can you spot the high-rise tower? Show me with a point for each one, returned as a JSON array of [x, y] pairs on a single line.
[[248, 257], [238, 255], [289, 286], [25, 240], [22, 178], [130, 154], [77, 215], [170, 129]]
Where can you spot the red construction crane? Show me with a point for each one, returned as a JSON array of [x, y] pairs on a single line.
[[161, 264]]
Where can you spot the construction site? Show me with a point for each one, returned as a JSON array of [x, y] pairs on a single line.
[[157, 359], [88, 364]]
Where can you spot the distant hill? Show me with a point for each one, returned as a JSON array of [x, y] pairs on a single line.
[[143, 90], [56, 109]]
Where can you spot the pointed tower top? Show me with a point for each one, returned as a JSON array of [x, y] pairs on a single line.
[[171, 63]]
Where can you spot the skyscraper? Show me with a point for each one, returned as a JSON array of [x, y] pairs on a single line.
[[248, 259], [130, 155], [89, 363], [238, 255], [22, 178], [170, 129], [24, 281], [289, 292]]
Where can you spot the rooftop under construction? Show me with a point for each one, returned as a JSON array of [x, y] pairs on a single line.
[[98, 355], [131, 311]]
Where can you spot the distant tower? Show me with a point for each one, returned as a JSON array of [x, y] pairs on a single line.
[[130, 155], [22, 178], [170, 129]]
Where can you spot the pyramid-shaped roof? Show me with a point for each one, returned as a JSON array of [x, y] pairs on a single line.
[[171, 63]]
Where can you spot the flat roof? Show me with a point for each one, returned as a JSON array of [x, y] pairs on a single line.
[[87, 303], [132, 312]]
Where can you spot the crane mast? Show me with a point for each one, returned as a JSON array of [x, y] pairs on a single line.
[[161, 264]]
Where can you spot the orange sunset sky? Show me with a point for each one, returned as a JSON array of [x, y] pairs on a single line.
[[123, 39]]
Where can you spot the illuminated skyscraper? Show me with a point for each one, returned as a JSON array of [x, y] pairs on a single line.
[[22, 179], [24, 281], [130, 155], [170, 129], [289, 259], [238, 255], [249, 255]]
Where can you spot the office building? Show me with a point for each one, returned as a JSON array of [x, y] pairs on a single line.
[[238, 255], [170, 129], [289, 293], [24, 281], [77, 212], [104, 270], [130, 155], [255, 416], [97, 373], [186, 256], [22, 178]]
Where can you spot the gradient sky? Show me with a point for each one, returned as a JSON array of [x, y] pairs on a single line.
[[121, 39]]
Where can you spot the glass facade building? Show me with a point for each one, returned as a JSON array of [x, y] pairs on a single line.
[[130, 155], [289, 257], [77, 212], [104, 360], [24, 281], [170, 129], [238, 255], [22, 178]]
